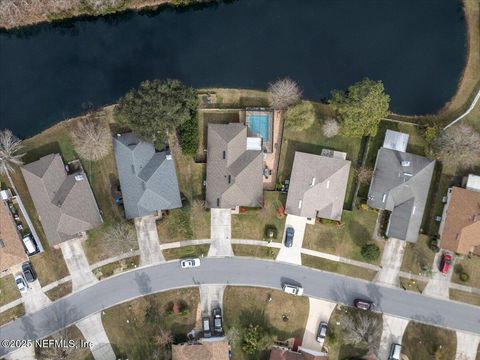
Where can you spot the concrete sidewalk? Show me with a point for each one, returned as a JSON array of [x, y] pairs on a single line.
[[148, 242]]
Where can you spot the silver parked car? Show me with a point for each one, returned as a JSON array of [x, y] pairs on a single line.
[[190, 263], [322, 332]]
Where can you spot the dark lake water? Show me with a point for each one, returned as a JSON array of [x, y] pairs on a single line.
[[53, 71]]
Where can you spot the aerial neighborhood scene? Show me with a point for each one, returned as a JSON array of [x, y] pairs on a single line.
[[240, 179]]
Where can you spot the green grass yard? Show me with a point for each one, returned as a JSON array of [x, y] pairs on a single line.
[[186, 252], [12, 314], [133, 327], [189, 222], [346, 239], [428, 342], [116, 267], [8, 290], [251, 224], [418, 257], [466, 297], [470, 265], [59, 291], [338, 267], [255, 251]]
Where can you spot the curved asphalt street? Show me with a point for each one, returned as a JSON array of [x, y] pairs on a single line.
[[238, 271]]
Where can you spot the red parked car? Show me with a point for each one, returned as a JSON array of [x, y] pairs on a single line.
[[445, 263]]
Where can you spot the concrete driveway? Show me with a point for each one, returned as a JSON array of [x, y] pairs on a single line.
[[77, 264], [393, 329], [148, 242], [92, 329], [220, 232], [438, 285], [320, 310], [211, 296], [391, 262], [293, 254], [467, 346]]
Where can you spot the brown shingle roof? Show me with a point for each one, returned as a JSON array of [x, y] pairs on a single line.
[[461, 231], [11, 248], [234, 174], [207, 350], [65, 204]]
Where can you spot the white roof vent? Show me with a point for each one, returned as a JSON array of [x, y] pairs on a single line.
[[313, 182], [168, 157], [79, 177], [328, 184], [405, 163], [299, 204]]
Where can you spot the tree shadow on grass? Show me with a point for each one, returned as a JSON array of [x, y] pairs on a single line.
[[360, 234], [37, 153]]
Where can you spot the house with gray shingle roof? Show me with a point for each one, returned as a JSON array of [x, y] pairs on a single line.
[[148, 179], [65, 202], [234, 167], [400, 184], [317, 186]]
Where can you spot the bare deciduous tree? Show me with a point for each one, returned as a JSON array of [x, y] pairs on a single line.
[[363, 328], [120, 237], [285, 92], [458, 147], [330, 128], [91, 139], [10, 155], [364, 175], [233, 334], [163, 338]]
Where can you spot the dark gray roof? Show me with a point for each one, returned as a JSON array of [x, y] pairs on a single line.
[[148, 178], [234, 174], [65, 203], [400, 184], [317, 186]]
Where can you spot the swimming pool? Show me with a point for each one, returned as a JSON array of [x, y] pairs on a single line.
[[259, 125]]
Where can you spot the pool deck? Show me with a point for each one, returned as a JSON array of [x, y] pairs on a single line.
[[271, 160]]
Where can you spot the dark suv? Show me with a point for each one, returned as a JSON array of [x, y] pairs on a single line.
[[28, 272], [363, 304], [217, 322], [289, 233]]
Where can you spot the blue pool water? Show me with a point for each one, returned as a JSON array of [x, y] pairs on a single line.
[[258, 124]]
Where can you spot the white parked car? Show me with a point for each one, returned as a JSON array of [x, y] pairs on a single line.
[[21, 283], [293, 289], [190, 263]]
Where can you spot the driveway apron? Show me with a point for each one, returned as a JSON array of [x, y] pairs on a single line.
[[148, 242], [391, 262], [467, 346], [319, 310], [293, 254], [392, 333], [438, 285]]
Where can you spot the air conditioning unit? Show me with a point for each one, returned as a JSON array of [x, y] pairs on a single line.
[[79, 177]]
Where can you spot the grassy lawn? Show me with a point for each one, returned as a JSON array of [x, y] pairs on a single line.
[[255, 251], [116, 267], [132, 327], [424, 342], [70, 333], [337, 267], [237, 98], [313, 141], [59, 291], [470, 265], [412, 285], [251, 224], [466, 297], [418, 258], [186, 252], [189, 222], [347, 239], [337, 347], [8, 290], [49, 266], [244, 306], [12, 314]]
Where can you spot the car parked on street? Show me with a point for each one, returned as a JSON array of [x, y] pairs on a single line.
[[207, 332], [190, 263], [21, 283], [445, 263], [289, 233], [322, 332], [363, 304], [292, 289], [28, 272], [217, 321]]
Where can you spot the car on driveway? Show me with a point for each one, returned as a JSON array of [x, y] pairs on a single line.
[[322, 332], [21, 283], [207, 332], [289, 233], [28, 272], [292, 289], [445, 263], [190, 263], [217, 321], [363, 304]]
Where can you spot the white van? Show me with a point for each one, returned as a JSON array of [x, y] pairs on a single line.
[[30, 245], [395, 351], [292, 289]]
